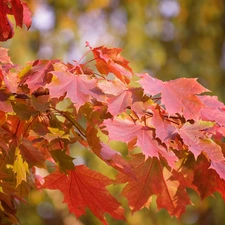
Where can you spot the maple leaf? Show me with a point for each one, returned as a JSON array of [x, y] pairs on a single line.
[[195, 138], [83, 188], [38, 75], [31, 154], [63, 160], [6, 27], [21, 14], [20, 167], [153, 179], [80, 89], [4, 57], [219, 167], [112, 87], [11, 81], [8, 209], [178, 96], [206, 180], [126, 131], [24, 111], [212, 110], [119, 97], [104, 152], [164, 130], [119, 103], [6, 106], [109, 60]]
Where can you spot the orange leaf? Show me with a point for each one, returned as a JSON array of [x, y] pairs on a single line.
[[83, 188]]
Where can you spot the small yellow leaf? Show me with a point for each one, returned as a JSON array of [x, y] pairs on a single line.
[[20, 167]]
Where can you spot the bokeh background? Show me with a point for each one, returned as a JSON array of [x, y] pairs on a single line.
[[166, 38]]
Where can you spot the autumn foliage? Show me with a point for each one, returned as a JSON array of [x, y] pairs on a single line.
[[173, 131]]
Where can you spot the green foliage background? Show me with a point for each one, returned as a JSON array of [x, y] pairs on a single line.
[[167, 38]]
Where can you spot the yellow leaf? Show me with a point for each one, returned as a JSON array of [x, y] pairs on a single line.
[[20, 167]]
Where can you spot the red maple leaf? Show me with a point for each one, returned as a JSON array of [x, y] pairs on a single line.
[[21, 14], [178, 96], [153, 179], [38, 75], [6, 27], [32, 154], [205, 179], [109, 60], [83, 188]]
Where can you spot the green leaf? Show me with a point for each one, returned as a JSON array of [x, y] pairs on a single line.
[[64, 161], [23, 111]]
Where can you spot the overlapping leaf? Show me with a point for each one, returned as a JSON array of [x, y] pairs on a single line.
[[84, 188], [80, 89], [104, 152], [153, 179], [109, 60], [37, 75], [195, 137], [127, 131], [213, 109], [178, 96], [205, 179]]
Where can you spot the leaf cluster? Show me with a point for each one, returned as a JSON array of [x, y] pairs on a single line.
[[173, 132]]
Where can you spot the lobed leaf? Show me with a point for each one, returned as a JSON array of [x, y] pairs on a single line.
[[83, 188]]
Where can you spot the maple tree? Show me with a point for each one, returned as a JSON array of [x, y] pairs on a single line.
[[173, 130]]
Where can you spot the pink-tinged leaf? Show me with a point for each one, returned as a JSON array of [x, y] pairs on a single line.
[[27, 15], [126, 131], [6, 106], [80, 89], [118, 104], [39, 75], [219, 167], [4, 57], [151, 85], [212, 110], [153, 179], [164, 129], [104, 152], [178, 96], [115, 159], [11, 81], [84, 188], [17, 10], [114, 87], [194, 136]]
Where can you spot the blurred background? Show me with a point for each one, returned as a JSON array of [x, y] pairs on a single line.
[[166, 38]]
